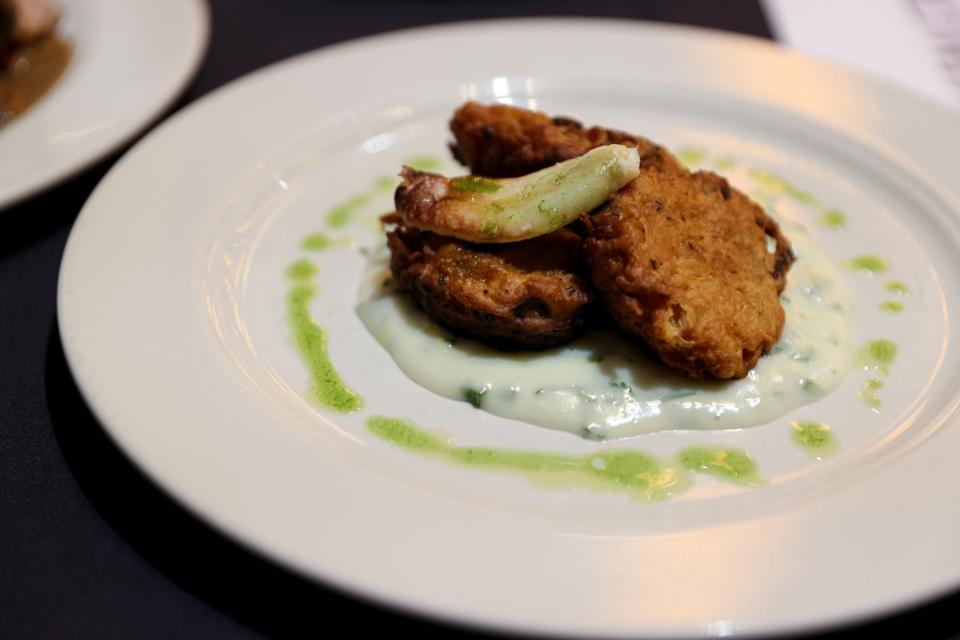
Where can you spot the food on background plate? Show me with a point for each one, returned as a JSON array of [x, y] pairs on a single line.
[[26, 21], [32, 58]]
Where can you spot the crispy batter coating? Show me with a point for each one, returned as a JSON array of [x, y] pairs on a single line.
[[503, 141], [523, 295], [682, 260]]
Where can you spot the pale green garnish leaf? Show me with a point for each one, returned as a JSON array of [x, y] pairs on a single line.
[[481, 209]]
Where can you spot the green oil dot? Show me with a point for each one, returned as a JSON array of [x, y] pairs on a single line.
[[341, 215], [890, 306], [870, 264], [798, 194], [834, 219], [724, 163], [868, 394], [897, 287], [386, 183], [727, 464], [322, 242], [636, 473], [814, 437], [878, 354], [302, 270], [691, 155], [779, 186], [424, 163], [310, 339], [316, 242], [767, 179]]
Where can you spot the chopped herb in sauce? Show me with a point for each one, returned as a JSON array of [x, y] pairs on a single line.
[[475, 396]]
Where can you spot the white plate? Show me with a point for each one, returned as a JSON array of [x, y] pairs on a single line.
[[131, 59], [171, 308]]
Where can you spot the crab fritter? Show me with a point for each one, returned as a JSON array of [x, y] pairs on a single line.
[[692, 266], [502, 141], [523, 295]]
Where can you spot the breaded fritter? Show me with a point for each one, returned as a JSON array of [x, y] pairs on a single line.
[[501, 141], [25, 21], [523, 295], [682, 260]]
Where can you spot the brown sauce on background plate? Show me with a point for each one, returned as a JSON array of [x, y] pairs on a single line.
[[29, 74]]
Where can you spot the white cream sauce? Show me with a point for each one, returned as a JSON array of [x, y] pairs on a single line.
[[605, 385]]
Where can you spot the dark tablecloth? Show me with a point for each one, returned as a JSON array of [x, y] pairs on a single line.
[[88, 547]]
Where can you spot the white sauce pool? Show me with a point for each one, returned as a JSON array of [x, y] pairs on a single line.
[[604, 385]]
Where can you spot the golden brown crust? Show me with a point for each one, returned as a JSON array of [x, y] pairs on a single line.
[[681, 260], [501, 141], [527, 295]]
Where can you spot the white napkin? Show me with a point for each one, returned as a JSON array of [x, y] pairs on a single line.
[[915, 42]]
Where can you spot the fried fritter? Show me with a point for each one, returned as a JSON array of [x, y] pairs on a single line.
[[523, 295], [501, 141], [25, 21], [682, 260]]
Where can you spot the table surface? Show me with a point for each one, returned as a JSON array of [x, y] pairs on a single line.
[[88, 546]]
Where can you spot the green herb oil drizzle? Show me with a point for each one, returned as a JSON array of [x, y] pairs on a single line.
[[322, 242], [638, 474], [734, 465], [343, 214], [310, 339]]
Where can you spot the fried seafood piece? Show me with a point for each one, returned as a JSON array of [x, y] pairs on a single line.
[[480, 209], [26, 21], [503, 141], [524, 295], [682, 260]]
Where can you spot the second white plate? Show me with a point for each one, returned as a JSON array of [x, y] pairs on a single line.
[[131, 58]]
